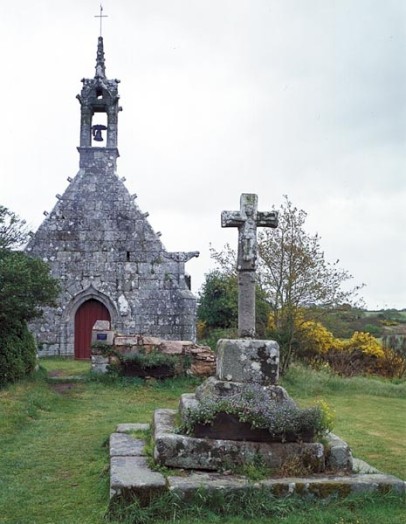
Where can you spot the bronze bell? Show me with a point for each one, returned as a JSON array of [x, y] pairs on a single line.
[[97, 135], [97, 132]]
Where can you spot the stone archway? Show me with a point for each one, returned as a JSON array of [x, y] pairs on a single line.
[[68, 332], [85, 317]]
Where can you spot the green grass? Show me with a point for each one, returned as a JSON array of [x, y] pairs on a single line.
[[370, 413], [54, 456], [66, 366], [260, 508]]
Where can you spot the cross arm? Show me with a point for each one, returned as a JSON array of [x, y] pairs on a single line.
[[231, 219], [267, 219]]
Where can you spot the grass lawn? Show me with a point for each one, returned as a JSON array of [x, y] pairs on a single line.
[[54, 455]]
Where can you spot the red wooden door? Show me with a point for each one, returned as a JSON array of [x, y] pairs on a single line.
[[85, 317]]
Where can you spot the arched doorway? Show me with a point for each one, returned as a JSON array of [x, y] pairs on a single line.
[[85, 317]]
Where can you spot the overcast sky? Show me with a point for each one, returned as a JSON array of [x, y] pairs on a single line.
[[220, 97]]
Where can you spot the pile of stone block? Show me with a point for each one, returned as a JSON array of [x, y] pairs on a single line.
[[194, 359]]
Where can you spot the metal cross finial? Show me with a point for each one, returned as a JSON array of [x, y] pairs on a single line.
[[101, 16]]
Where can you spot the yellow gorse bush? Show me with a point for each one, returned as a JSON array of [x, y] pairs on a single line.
[[314, 336], [321, 337], [365, 343]]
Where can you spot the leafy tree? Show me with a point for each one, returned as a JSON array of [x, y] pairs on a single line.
[[25, 287], [18, 354], [218, 300], [218, 303], [294, 275]]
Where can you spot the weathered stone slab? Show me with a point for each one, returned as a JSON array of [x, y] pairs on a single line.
[[309, 487], [338, 454], [362, 467], [189, 484], [181, 451], [100, 364], [132, 476], [101, 325], [126, 340], [187, 401], [105, 336], [124, 445], [126, 428], [149, 341], [172, 347], [329, 486], [248, 360]]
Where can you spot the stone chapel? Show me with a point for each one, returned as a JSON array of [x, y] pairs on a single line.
[[100, 246]]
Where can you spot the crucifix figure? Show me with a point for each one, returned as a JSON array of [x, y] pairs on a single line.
[[247, 219]]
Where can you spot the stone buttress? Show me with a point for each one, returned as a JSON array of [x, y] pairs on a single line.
[[101, 247]]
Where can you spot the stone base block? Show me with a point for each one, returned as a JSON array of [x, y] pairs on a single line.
[[132, 477], [132, 426], [99, 363], [248, 360], [216, 388], [187, 401], [338, 454], [123, 445], [181, 451], [324, 487]]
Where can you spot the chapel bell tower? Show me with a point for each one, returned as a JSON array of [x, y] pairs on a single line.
[[99, 109]]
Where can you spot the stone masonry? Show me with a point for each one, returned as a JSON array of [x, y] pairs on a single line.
[[100, 245]]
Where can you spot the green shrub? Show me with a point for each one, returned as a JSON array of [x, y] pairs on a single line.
[[212, 336], [149, 360], [17, 354]]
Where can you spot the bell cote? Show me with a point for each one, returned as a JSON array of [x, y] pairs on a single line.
[[99, 109]]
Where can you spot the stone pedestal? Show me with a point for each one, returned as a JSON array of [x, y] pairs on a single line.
[[228, 442], [248, 360], [181, 451]]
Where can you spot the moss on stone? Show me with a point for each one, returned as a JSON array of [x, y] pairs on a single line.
[[329, 489]]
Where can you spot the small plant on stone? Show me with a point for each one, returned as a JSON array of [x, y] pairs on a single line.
[[255, 406], [328, 415], [149, 360], [254, 470], [103, 349], [294, 466]]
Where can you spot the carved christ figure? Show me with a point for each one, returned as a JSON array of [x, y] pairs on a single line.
[[247, 219], [247, 252]]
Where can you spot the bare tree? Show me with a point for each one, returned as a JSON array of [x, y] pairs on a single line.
[[13, 231]]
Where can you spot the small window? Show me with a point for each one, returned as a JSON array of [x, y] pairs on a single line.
[[128, 256]]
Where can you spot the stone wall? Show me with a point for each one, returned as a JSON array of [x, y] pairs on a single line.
[[201, 360]]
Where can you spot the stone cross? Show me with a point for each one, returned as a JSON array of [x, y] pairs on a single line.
[[247, 219]]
